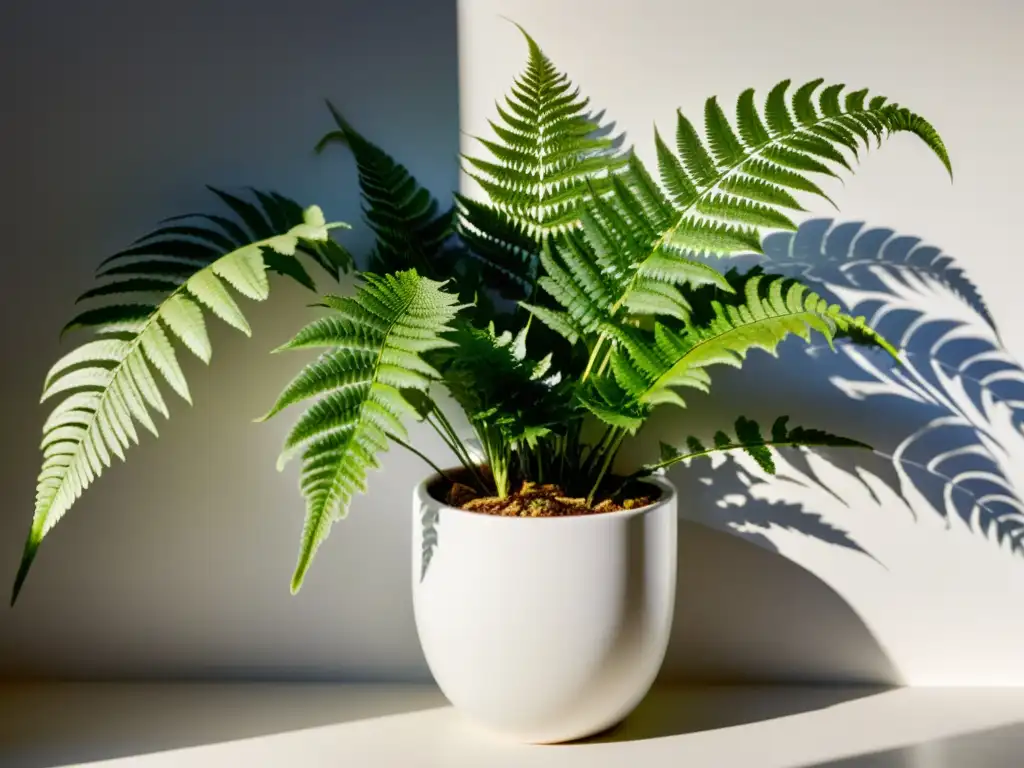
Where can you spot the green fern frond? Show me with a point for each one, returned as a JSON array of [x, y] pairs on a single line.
[[728, 186], [749, 439], [647, 367], [499, 386], [411, 230], [111, 383], [506, 252], [377, 341], [607, 270], [270, 215], [547, 158]]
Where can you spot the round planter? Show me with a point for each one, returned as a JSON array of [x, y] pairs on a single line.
[[544, 629]]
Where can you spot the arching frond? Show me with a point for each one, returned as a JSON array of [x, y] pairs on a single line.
[[376, 340], [647, 368], [203, 236], [749, 438], [111, 384], [723, 189]]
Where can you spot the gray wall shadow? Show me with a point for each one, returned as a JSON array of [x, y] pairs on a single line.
[[177, 562]]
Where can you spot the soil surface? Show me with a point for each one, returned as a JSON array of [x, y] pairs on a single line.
[[539, 500]]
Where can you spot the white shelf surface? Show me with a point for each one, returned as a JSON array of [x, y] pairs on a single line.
[[257, 725]]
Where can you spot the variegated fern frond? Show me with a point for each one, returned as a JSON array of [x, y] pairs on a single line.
[[376, 341], [110, 385]]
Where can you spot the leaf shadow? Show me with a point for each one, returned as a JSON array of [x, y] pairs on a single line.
[[429, 516], [946, 424]]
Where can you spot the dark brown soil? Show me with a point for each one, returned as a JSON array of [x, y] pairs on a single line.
[[538, 500]]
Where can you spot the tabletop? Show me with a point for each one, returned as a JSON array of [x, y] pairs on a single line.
[[256, 725]]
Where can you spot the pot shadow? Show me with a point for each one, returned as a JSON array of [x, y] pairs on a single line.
[[784, 623], [677, 711]]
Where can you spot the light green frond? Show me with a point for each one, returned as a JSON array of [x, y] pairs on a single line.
[[375, 340], [108, 384]]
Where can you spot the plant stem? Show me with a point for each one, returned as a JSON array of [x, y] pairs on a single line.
[[595, 450], [609, 456], [593, 358], [421, 455], [444, 428]]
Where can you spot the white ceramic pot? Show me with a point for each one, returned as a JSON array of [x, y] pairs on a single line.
[[544, 629]]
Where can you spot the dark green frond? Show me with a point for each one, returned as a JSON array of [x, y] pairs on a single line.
[[412, 232], [749, 438], [499, 386]]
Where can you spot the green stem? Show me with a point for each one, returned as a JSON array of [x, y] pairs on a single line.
[[609, 456], [593, 358], [444, 428], [421, 455], [595, 451]]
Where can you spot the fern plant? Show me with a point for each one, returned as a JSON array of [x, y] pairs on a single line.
[[559, 309]]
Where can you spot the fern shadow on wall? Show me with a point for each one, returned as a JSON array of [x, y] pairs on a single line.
[[931, 524]]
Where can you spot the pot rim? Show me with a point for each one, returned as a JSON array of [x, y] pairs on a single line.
[[668, 495]]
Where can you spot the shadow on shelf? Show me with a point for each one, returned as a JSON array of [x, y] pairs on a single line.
[[87, 722], [994, 747], [680, 711]]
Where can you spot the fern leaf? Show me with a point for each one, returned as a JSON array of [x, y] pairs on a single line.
[[184, 319], [748, 120], [723, 199], [550, 154], [648, 366], [749, 438], [696, 158], [411, 230], [210, 291], [394, 318], [108, 383]]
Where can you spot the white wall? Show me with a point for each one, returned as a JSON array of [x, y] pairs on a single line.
[[116, 113], [865, 577]]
